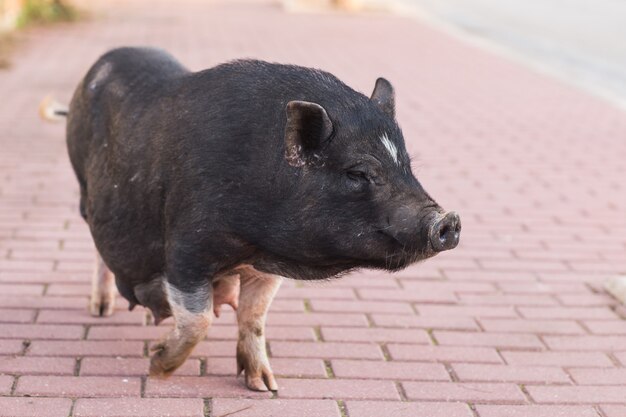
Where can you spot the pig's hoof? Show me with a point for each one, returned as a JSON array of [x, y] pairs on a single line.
[[259, 379], [158, 368], [161, 366], [264, 383], [102, 305]]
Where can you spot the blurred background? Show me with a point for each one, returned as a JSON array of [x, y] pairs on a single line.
[[579, 40]]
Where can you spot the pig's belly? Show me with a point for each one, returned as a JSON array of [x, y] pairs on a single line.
[[151, 294], [226, 291]]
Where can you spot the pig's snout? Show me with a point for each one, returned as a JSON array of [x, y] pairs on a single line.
[[445, 232]]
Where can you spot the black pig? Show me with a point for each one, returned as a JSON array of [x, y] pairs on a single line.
[[205, 188]]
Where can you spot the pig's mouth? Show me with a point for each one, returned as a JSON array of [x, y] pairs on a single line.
[[441, 232], [401, 254], [398, 261]]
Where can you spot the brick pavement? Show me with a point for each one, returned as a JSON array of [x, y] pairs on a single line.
[[512, 323]]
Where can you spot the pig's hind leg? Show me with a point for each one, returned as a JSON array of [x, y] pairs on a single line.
[[193, 316], [103, 291], [257, 291]]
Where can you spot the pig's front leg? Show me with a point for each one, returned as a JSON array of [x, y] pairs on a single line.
[[256, 294], [193, 316], [102, 301]]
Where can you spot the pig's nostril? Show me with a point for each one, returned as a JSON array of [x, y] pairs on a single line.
[[442, 233], [446, 232]]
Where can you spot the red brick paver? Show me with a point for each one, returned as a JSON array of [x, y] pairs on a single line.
[[407, 409], [275, 408], [512, 323], [535, 411], [6, 383], [29, 407], [142, 407], [614, 410], [73, 386]]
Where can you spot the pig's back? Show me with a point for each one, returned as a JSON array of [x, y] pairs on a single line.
[[232, 117], [116, 155], [229, 134], [113, 95]]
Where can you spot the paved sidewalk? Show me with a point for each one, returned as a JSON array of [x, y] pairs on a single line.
[[573, 38], [512, 323]]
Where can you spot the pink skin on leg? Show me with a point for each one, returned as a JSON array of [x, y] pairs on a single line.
[[103, 290], [257, 291]]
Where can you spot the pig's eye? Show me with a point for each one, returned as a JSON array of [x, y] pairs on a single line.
[[358, 176], [357, 181]]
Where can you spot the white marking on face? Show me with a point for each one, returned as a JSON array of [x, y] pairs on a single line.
[[391, 148]]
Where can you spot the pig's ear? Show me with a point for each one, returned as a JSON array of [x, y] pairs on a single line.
[[308, 125], [384, 97]]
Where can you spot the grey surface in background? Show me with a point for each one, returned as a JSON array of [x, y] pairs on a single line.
[[585, 40]]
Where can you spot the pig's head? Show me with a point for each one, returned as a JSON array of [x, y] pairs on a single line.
[[362, 205]]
